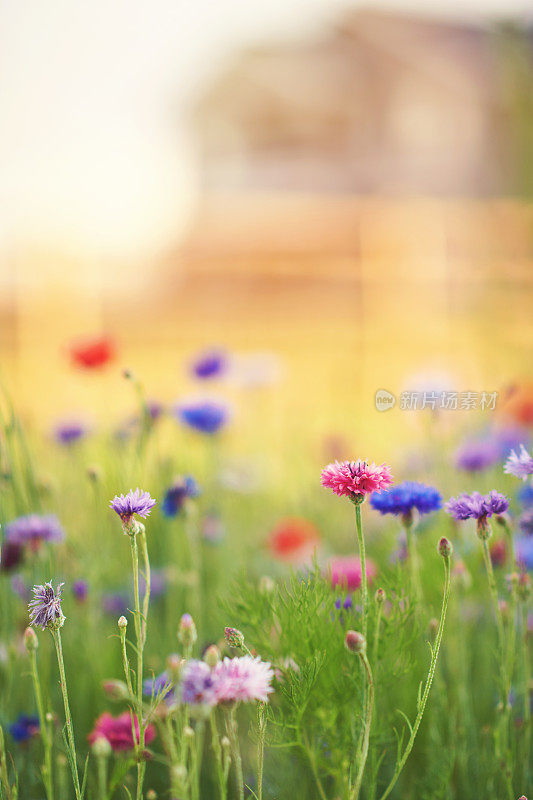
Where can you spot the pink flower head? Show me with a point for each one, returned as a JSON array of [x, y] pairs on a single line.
[[346, 572], [118, 731], [355, 479], [243, 679]]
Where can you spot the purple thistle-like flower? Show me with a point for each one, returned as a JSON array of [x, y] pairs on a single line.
[[33, 529], [70, 432], [243, 679], [157, 684], [115, 603], [45, 609], [521, 465], [476, 505], [134, 502], [475, 456], [198, 684]]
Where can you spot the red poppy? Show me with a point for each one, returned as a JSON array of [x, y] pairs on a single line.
[[293, 539], [517, 404], [93, 353]]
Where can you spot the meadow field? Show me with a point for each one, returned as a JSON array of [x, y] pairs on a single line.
[[253, 680]]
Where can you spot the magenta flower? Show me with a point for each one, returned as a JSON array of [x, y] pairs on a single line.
[[355, 479], [346, 572], [119, 731], [198, 684], [521, 465], [135, 502], [243, 679]]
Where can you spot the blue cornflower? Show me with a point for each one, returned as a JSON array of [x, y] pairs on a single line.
[[24, 727], [210, 364], [525, 495], [177, 494], [159, 683], [525, 522], [524, 551], [404, 497], [80, 590], [205, 416]]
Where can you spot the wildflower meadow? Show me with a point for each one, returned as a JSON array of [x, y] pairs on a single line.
[[178, 623]]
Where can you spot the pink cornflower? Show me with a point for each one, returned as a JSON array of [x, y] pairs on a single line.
[[118, 731], [346, 572], [355, 479], [243, 679]]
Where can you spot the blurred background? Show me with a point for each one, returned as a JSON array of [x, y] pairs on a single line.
[[341, 189]]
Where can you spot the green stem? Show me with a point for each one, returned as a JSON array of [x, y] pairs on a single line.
[[412, 560], [68, 719], [493, 591], [148, 583], [139, 675], [44, 728], [4, 778], [233, 735], [362, 554], [261, 749], [101, 764], [369, 710], [217, 749], [433, 664], [125, 662]]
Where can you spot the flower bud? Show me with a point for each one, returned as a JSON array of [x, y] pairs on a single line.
[[212, 656], [122, 623], [115, 690], [380, 596], [355, 642], [234, 637], [445, 548], [188, 732], [174, 665], [179, 773], [433, 625], [151, 794], [225, 742], [94, 473], [101, 747], [187, 631], [31, 641]]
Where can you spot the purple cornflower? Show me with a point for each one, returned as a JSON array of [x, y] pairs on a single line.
[[11, 556], [521, 465], [204, 416], [404, 497], [210, 364], [45, 609], [115, 603], [159, 683], [476, 505], [198, 684], [80, 590], [33, 529], [70, 432], [176, 496], [524, 551], [479, 507], [24, 727], [345, 604], [475, 456], [134, 502]]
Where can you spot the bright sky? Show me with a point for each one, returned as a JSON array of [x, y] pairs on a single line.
[[93, 152]]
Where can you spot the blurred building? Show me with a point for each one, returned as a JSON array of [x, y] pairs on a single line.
[[381, 103]]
